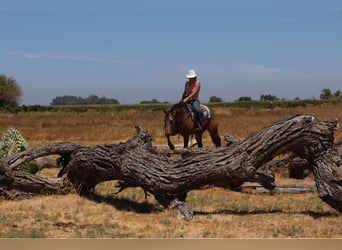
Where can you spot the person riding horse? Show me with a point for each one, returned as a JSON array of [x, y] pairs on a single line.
[[191, 96]]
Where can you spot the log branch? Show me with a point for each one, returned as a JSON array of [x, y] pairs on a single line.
[[58, 148], [19, 185]]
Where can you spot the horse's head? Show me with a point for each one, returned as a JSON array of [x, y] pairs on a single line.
[[171, 119], [170, 122]]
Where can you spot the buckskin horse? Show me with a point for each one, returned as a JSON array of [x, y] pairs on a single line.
[[180, 119]]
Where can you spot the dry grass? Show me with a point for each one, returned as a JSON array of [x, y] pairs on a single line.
[[40, 128], [219, 213]]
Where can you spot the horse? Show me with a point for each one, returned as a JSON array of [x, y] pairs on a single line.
[[180, 119]]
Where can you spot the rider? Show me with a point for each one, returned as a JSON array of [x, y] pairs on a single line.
[[191, 95]]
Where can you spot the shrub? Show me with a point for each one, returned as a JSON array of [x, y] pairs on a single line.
[[11, 142]]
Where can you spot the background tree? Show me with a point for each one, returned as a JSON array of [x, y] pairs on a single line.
[[92, 99], [326, 94], [215, 99], [268, 98], [10, 91], [244, 99], [150, 101], [153, 101], [338, 94]]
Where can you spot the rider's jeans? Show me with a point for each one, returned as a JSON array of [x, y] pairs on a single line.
[[196, 105]]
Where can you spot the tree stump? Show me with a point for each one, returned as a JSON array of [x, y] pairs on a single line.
[[137, 163]]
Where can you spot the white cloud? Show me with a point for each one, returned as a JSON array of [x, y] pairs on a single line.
[[259, 69], [65, 57]]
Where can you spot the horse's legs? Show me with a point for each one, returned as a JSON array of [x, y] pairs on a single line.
[[186, 140], [199, 139], [171, 146], [215, 136]]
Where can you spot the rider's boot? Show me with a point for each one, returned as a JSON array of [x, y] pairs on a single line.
[[200, 125]]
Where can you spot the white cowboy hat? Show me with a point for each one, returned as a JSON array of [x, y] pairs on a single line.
[[191, 74]]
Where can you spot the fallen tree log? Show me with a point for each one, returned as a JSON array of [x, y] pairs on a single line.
[[137, 163]]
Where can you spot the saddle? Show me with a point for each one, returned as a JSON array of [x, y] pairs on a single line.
[[204, 109]]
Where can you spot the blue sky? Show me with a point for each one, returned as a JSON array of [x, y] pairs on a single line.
[[141, 50]]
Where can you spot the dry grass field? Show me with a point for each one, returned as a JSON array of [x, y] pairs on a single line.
[[218, 212]]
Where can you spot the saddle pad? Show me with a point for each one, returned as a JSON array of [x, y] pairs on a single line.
[[206, 112]]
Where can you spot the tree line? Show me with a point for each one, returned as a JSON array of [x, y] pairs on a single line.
[[77, 100], [326, 94], [11, 93], [246, 98]]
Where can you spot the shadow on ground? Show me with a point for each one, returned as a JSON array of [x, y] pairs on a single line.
[[313, 214], [124, 204]]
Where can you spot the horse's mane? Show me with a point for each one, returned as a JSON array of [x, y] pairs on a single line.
[[178, 105]]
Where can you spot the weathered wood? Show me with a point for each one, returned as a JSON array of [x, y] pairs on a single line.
[[18, 184], [45, 162], [138, 163], [58, 148], [292, 189]]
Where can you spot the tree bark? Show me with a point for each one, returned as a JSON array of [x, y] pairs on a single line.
[[138, 163], [19, 184], [293, 189]]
